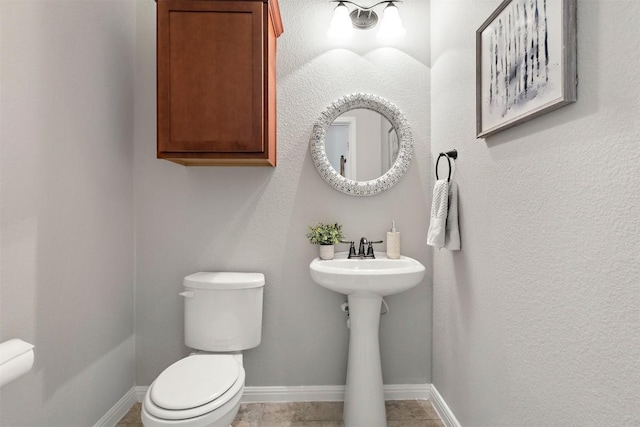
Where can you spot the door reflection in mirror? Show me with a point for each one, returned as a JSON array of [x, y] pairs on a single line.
[[361, 144], [339, 145]]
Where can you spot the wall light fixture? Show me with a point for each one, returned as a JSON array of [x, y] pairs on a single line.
[[363, 18]]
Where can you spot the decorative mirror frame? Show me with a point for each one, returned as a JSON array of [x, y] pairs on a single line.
[[350, 186]]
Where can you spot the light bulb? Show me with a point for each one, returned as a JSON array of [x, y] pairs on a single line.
[[340, 23], [391, 26]]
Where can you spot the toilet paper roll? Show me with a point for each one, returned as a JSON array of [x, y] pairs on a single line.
[[16, 359]]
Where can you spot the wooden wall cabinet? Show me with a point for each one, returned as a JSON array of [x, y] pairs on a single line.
[[216, 71]]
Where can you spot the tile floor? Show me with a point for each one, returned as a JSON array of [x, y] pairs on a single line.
[[400, 413]]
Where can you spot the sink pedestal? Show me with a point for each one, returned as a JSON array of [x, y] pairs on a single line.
[[365, 282], [364, 394]]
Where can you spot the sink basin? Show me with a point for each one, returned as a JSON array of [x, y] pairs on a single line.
[[380, 276]]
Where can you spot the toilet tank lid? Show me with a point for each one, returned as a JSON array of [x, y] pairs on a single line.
[[224, 280]]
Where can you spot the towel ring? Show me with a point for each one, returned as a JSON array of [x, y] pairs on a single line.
[[453, 154]]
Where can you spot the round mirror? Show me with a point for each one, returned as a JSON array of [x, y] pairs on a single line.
[[361, 144]]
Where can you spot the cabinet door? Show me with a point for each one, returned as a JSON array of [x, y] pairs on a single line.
[[210, 77]]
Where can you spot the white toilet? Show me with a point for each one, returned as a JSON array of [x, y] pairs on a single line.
[[222, 317]]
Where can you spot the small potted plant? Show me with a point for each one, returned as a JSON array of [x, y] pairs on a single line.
[[325, 235]]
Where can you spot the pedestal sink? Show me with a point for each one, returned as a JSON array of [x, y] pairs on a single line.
[[365, 282]]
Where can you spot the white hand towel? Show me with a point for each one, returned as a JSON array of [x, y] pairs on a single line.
[[439, 209], [452, 235]]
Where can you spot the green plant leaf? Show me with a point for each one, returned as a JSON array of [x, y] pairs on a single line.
[[325, 234]]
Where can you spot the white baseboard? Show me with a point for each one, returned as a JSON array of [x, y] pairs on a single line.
[[329, 393], [319, 393], [118, 410], [407, 392], [442, 409], [141, 390]]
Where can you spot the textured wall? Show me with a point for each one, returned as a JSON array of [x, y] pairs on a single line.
[[536, 320], [255, 218], [66, 278]]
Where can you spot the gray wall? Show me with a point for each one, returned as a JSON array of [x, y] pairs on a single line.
[[536, 320], [66, 279], [255, 219]]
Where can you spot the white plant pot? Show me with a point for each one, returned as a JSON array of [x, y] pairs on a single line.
[[326, 251]]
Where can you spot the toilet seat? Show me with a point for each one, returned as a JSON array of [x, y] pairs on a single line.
[[194, 386], [194, 381]]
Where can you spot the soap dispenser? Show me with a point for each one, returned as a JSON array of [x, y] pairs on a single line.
[[393, 242]]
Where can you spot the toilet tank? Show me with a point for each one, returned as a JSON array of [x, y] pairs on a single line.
[[223, 310]]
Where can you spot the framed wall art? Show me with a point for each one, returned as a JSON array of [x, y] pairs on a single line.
[[525, 63]]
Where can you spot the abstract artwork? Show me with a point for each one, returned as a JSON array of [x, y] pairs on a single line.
[[525, 62]]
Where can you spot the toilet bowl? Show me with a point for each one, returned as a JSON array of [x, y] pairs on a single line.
[[197, 391], [223, 317]]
